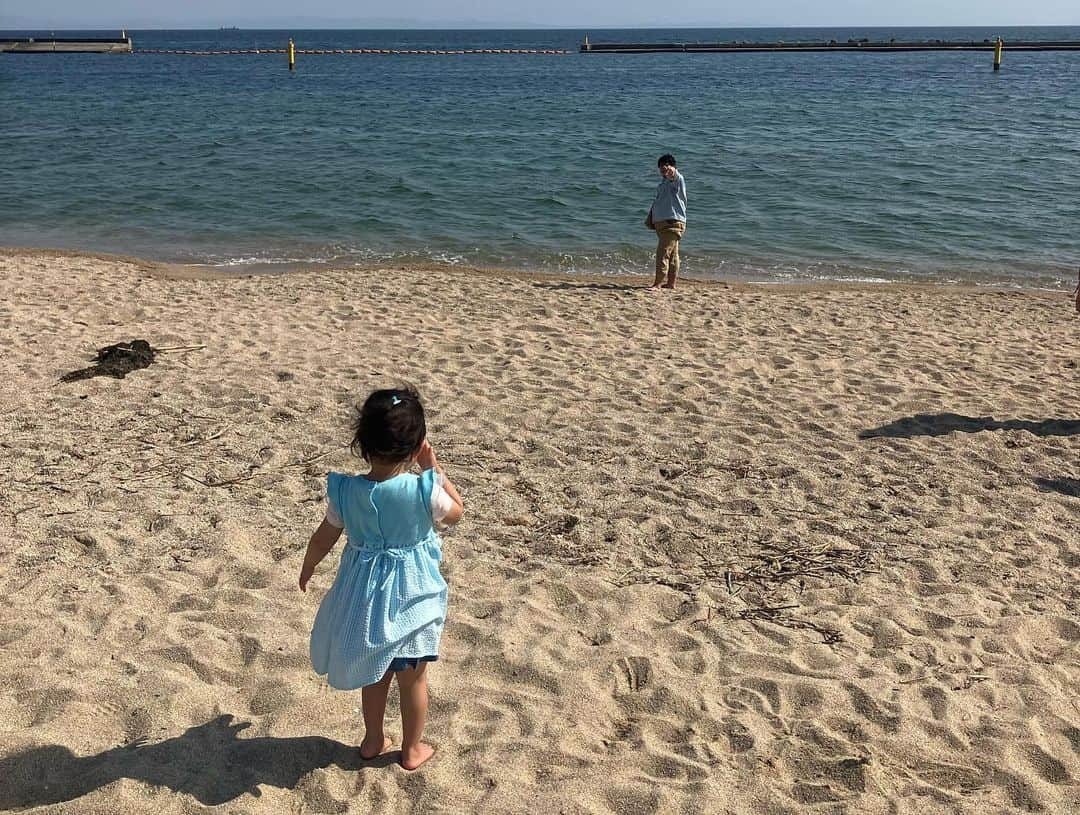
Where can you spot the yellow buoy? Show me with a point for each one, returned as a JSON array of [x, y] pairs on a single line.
[[292, 55], [998, 46]]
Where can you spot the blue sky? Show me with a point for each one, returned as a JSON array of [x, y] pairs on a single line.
[[600, 13]]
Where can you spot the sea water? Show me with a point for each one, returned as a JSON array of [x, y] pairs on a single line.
[[906, 166]]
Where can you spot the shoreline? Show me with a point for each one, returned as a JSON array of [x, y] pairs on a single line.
[[181, 271]]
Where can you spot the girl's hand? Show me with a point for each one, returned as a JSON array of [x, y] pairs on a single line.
[[426, 457], [305, 576], [318, 547]]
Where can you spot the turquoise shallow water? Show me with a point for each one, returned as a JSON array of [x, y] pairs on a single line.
[[854, 166]]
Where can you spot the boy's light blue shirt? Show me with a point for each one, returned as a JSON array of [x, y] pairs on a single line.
[[670, 203]]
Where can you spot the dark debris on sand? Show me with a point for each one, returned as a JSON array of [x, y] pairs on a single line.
[[116, 361]]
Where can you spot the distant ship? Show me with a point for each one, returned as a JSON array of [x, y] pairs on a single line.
[[229, 28]]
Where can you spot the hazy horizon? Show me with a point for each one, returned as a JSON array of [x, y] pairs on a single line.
[[515, 14], [21, 24]]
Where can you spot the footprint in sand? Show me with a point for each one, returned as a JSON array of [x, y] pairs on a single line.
[[632, 674]]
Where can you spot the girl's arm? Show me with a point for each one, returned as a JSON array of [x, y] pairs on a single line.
[[455, 513], [318, 547], [427, 460]]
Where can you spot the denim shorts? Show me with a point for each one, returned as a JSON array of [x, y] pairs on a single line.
[[404, 663]]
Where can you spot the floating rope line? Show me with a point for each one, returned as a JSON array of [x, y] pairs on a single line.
[[333, 51]]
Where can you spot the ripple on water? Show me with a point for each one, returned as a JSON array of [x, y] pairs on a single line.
[[908, 166]]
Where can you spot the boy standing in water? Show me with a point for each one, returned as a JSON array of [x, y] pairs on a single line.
[[667, 216]]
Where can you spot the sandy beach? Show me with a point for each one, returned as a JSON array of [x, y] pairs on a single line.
[[731, 549]]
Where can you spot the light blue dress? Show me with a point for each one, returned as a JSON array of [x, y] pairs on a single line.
[[388, 600]]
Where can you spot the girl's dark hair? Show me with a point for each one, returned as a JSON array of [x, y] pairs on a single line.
[[666, 160], [390, 425]]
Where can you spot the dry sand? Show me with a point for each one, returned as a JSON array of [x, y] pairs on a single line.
[[689, 580]]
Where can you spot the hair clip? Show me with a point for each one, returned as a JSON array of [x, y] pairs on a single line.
[[395, 401]]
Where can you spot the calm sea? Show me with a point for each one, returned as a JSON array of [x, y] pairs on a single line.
[[799, 166]]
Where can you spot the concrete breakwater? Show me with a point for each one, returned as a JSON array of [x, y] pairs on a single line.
[[864, 45], [66, 45]]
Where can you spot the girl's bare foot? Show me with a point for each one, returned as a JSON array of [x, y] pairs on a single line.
[[371, 749], [413, 757]]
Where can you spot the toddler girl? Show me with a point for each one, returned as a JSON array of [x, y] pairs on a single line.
[[385, 612]]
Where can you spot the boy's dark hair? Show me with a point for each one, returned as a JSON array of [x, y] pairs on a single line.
[[666, 160], [390, 426]]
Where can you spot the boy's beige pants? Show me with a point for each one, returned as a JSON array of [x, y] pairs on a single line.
[[668, 234]]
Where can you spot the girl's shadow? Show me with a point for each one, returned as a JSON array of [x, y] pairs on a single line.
[[209, 762]]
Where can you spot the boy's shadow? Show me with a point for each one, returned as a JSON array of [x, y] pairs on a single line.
[[597, 286], [209, 761]]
